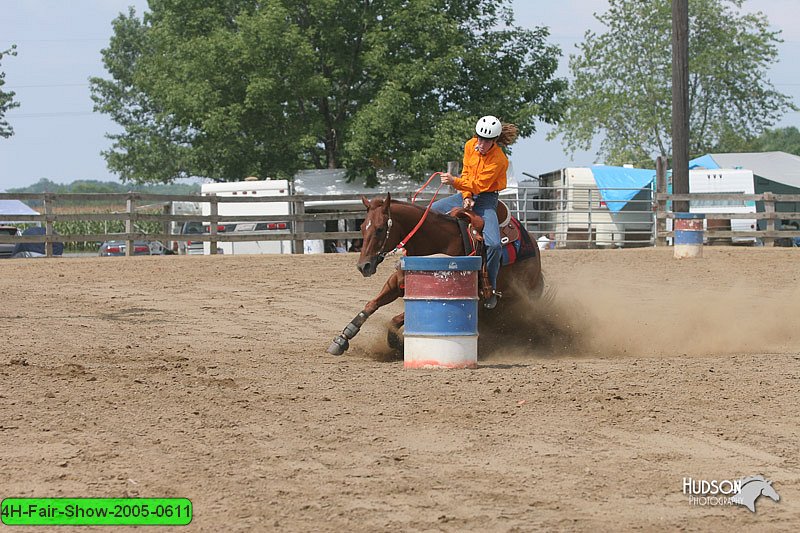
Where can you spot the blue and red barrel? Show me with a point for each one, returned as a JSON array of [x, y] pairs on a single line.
[[441, 306], [689, 235]]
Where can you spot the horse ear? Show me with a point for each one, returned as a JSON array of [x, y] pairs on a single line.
[[387, 201], [365, 201]]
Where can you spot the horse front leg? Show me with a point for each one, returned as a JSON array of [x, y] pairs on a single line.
[[390, 292]]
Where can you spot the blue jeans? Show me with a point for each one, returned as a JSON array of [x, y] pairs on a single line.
[[486, 207]]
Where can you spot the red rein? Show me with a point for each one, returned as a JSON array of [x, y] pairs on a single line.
[[403, 242]]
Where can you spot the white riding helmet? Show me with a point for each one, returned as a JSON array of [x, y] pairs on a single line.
[[489, 127]]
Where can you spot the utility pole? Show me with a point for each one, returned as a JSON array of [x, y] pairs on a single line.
[[680, 102]]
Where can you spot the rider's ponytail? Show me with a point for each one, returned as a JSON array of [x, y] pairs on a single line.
[[508, 135]]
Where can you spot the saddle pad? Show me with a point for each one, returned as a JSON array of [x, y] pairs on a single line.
[[509, 256]]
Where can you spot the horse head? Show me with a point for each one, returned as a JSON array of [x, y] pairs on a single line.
[[770, 492], [378, 238], [752, 488]]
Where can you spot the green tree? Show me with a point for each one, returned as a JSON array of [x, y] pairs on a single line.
[[780, 140], [91, 186], [623, 80], [771, 140], [225, 89], [6, 98]]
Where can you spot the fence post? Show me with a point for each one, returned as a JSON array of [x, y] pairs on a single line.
[[129, 226], [213, 221], [452, 167], [299, 208], [769, 208], [48, 224], [166, 226], [661, 205], [589, 242]]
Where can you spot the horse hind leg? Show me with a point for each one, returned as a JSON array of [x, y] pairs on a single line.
[[528, 281], [393, 336], [538, 291], [542, 293]]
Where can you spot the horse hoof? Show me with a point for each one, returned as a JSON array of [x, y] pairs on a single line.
[[338, 346], [394, 341]]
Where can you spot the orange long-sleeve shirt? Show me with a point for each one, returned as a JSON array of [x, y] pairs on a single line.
[[482, 173]]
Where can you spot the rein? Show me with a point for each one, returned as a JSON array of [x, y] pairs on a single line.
[[403, 241]]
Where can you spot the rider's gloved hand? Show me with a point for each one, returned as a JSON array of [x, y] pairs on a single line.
[[468, 202]]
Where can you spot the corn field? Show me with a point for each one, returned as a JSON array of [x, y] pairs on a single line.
[[85, 227]]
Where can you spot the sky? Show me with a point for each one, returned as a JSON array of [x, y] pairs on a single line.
[[57, 135]]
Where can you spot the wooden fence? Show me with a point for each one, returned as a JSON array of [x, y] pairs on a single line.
[[308, 208], [334, 207], [769, 214]]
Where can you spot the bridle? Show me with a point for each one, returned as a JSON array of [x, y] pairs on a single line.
[[382, 254]]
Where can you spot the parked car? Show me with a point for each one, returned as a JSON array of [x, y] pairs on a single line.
[[189, 247], [36, 249], [788, 225], [117, 248], [7, 249]]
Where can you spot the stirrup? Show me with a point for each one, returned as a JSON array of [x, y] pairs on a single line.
[[491, 302]]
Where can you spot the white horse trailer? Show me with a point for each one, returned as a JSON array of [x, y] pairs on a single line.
[[572, 208], [717, 181], [257, 226]]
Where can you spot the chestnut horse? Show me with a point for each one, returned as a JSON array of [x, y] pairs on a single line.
[[387, 224]]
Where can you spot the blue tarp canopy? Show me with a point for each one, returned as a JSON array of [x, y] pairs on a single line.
[[704, 161], [626, 181], [14, 207]]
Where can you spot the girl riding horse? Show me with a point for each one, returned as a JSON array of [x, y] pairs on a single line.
[[483, 176]]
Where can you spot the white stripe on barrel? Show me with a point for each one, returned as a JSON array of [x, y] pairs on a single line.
[[688, 235], [441, 306]]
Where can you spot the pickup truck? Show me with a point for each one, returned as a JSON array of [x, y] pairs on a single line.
[[7, 249]]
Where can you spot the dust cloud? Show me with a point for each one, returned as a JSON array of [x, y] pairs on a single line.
[[589, 319]]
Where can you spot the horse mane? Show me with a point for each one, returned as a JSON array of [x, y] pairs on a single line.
[[746, 480]]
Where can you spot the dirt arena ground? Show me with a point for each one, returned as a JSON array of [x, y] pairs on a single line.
[[207, 378]]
